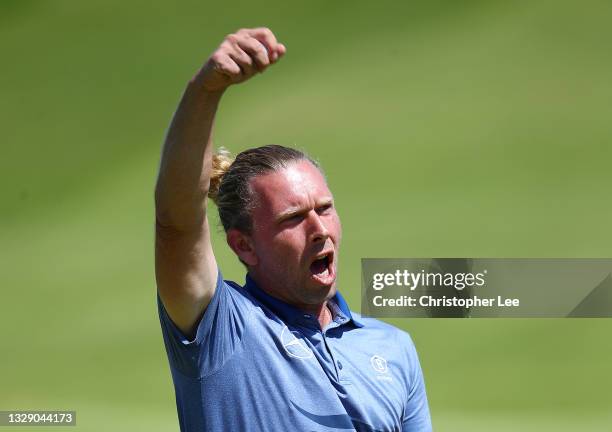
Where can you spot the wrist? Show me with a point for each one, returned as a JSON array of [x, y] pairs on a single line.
[[197, 86]]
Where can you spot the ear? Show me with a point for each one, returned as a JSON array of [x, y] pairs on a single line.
[[242, 246]]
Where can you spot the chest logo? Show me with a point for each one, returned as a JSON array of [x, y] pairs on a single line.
[[379, 364], [293, 345]]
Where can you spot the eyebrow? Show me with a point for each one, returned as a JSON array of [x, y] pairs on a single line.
[[293, 211]]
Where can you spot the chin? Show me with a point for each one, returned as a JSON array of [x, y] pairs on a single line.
[[318, 293], [332, 291], [328, 291]]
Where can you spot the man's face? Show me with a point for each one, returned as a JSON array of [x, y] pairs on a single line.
[[296, 235]]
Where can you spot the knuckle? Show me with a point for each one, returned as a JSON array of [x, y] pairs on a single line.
[[249, 43], [231, 68], [258, 47], [224, 47]]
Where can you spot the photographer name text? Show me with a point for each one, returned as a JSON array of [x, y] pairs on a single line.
[[431, 280]]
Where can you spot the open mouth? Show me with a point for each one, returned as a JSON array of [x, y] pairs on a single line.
[[322, 269]]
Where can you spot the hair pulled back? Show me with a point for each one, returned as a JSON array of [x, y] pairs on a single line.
[[230, 180]]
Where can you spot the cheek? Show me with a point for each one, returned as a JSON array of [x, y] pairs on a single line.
[[337, 227], [293, 246], [290, 241], [284, 246]]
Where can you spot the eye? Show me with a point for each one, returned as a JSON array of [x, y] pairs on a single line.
[[293, 219], [324, 209]]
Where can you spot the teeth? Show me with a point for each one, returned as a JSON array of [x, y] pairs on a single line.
[[323, 274], [321, 267]]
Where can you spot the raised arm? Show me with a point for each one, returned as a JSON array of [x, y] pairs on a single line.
[[185, 267]]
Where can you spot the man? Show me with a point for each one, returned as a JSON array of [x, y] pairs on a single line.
[[283, 352]]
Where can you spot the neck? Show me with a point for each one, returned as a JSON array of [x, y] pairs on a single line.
[[321, 311], [324, 315]]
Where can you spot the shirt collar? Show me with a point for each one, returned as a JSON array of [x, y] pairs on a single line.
[[291, 314]]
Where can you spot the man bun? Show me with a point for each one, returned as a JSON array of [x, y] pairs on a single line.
[[221, 162]]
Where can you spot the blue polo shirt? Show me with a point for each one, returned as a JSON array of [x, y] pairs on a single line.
[[259, 364]]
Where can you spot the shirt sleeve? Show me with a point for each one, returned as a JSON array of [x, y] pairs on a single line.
[[219, 333], [416, 413]]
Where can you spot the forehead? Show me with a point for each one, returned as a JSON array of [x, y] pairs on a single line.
[[300, 184]]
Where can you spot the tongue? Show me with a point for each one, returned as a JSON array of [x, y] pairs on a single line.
[[319, 266]]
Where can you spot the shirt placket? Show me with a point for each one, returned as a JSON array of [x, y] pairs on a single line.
[[331, 349], [333, 365]]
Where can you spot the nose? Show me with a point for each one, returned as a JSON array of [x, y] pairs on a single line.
[[318, 229]]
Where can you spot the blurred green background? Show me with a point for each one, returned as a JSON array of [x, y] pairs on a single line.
[[471, 129]]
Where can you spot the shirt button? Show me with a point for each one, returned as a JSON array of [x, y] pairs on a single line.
[[340, 365], [307, 316]]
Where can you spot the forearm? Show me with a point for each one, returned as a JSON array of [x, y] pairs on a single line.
[[186, 163], [184, 174], [185, 266]]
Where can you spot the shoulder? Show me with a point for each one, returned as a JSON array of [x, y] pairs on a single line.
[[391, 333], [238, 292], [220, 331], [376, 324], [229, 305]]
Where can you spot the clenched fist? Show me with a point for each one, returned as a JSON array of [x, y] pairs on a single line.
[[240, 56]]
